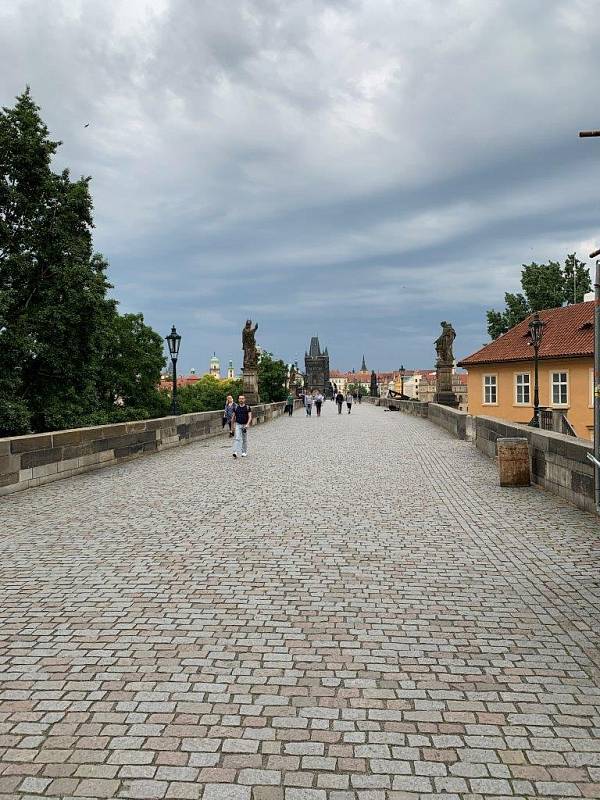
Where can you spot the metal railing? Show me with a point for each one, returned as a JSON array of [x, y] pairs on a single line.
[[546, 419]]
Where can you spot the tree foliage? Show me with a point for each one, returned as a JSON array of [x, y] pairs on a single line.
[[207, 394], [544, 286], [66, 355], [272, 379], [357, 389]]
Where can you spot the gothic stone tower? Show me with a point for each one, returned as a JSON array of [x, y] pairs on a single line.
[[316, 364]]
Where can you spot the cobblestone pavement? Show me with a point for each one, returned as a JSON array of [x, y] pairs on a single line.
[[355, 612]]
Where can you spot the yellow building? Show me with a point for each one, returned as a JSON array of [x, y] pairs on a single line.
[[501, 374]]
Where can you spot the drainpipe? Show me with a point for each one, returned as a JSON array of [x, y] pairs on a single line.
[[595, 458], [597, 385]]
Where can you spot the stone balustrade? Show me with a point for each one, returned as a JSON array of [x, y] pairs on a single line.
[[27, 461], [559, 463]]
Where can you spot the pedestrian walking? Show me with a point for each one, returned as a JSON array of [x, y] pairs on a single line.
[[308, 403], [228, 413], [349, 400], [242, 420], [339, 399], [289, 404], [318, 403]]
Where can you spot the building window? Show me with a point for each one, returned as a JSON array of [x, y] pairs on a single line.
[[490, 390], [523, 388], [560, 388]]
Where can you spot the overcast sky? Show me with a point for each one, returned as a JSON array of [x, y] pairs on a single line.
[[360, 170]]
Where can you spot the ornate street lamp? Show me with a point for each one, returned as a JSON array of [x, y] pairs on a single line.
[[402, 372], [173, 341], [536, 331]]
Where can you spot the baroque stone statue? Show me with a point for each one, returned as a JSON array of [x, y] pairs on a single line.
[[443, 344], [249, 345]]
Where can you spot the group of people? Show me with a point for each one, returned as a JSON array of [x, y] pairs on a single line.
[[315, 399], [238, 417], [339, 399]]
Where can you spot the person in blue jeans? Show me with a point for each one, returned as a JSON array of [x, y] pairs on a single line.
[[308, 403], [242, 419]]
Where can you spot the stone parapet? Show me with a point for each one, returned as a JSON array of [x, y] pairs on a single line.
[[28, 461], [458, 423], [406, 406], [559, 463]]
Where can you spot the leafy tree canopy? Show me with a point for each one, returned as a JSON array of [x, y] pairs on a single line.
[[272, 379], [207, 394], [544, 286], [66, 355], [357, 388]]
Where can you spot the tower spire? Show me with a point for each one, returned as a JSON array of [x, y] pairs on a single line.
[[363, 366]]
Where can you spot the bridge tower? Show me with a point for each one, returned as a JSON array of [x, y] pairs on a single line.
[[316, 364]]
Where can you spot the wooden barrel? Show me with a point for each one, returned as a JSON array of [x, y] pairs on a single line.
[[513, 462]]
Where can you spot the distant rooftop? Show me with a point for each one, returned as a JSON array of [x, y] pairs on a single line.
[[568, 332]]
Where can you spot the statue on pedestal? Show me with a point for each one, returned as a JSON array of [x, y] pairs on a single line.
[[444, 366], [443, 345], [249, 345], [374, 390], [250, 370]]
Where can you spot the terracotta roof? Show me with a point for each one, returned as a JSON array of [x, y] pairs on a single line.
[[568, 332]]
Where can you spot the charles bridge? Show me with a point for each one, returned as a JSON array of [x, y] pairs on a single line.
[[356, 611]]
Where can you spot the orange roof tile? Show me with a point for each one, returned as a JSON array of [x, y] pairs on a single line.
[[568, 332]]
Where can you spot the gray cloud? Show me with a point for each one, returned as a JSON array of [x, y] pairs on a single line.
[[357, 169]]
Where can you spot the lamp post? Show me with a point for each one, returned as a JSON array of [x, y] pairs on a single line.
[[536, 330], [173, 341], [595, 456], [402, 372]]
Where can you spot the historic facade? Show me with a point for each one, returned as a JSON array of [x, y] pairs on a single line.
[[502, 373], [215, 366], [316, 364]]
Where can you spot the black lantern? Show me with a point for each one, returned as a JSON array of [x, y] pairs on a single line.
[[402, 372], [536, 332], [173, 341]]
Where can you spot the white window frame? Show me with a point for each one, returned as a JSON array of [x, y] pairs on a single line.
[[493, 375], [591, 397], [518, 402], [551, 376]]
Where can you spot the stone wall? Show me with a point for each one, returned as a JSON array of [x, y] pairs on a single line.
[[559, 463], [406, 406], [27, 461], [458, 423]]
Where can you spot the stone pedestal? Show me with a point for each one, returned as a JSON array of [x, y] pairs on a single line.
[[250, 384], [513, 462], [444, 394]]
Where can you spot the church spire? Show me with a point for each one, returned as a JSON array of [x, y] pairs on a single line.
[[363, 366]]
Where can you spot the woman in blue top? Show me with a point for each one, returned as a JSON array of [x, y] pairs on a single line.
[[228, 412]]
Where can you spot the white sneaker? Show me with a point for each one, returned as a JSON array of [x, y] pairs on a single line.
[[244, 455]]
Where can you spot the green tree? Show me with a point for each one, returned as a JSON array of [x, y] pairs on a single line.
[[272, 378], [59, 330], [357, 388], [53, 289], [575, 290], [544, 286], [207, 394], [130, 364]]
